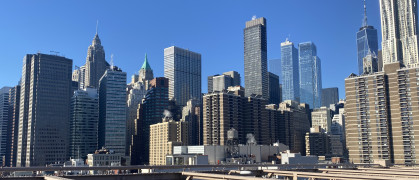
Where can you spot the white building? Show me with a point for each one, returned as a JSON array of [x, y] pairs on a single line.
[[296, 158]]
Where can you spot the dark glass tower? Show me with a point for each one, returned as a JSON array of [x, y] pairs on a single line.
[[256, 79], [366, 40]]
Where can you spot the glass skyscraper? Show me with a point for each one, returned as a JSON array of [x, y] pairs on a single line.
[[366, 40], [310, 75], [256, 79], [290, 72]]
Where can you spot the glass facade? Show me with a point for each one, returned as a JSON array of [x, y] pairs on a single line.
[[310, 75], [256, 78], [366, 40], [290, 72]]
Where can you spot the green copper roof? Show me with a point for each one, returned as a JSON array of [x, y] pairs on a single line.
[[146, 65]]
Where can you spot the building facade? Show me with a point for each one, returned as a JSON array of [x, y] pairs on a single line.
[[222, 82], [256, 79], [399, 22], [112, 110], [183, 69], [275, 94], [330, 96], [4, 121], [310, 75], [13, 126], [45, 86], [84, 123], [367, 41], [290, 72], [96, 64], [322, 117]]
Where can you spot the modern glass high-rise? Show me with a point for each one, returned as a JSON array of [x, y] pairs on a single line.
[[310, 75], [399, 28], [274, 89], [366, 40], [84, 123], [256, 79], [183, 69], [290, 72], [4, 119], [44, 110], [112, 110], [274, 66], [13, 126]]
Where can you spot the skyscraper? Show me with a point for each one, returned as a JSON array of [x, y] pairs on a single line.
[[290, 72], [222, 82], [366, 40], [183, 69], [4, 119], [95, 65], [112, 110], [330, 96], [399, 32], [274, 66], [44, 110], [84, 123], [274, 89], [310, 75], [256, 79], [13, 126]]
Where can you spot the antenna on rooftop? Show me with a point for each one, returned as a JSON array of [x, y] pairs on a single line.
[[97, 24], [111, 61]]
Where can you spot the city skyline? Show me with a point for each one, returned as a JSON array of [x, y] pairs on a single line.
[[128, 40]]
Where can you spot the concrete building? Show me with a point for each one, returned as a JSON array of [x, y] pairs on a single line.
[[149, 112], [310, 75], [275, 94], [192, 114], [392, 94], [295, 158], [79, 75], [45, 86], [136, 91], [104, 157], [330, 96], [95, 66], [322, 117], [399, 32], [366, 41], [230, 109], [338, 127], [290, 72], [4, 121], [222, 82], [380, 60], [12, 127], [183, 69], [256, 78], [84, 123], [165, 135], [288, 124], [113, 110]]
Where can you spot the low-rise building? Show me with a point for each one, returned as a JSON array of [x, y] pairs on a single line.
[[104, 157], [296, 158]]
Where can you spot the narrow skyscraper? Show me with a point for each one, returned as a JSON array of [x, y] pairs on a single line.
[[366, 40], [183, 69], [44, 110], [256, 79], [4, 119], [310, 75], [112, 110], [290, 72], [13, 126], [95, 65], [399, 32]]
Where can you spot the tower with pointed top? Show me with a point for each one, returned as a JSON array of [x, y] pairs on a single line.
[[95, 63], [366, 39], [146, 73]]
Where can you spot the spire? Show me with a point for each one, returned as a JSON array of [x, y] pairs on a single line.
[[145, 64], [97, 23], [96, 39], [365, 23]]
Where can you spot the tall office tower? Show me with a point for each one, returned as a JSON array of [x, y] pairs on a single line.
[[84, 123], [322, 117], [96, 64], [256, 78], [164, 136], [149, 112], [366, 40], [338, 125], [289, 122], [13, 126], [112, 110], [380, 60], [290, 72], [274, 89], [310, 75], [370, 63], [330, 96], [191, 114], [399, 32], [137, 90], [4, 119], [78, 76], [274, 66], [183, 69], [222, 82], [44, 110], [230, 109]]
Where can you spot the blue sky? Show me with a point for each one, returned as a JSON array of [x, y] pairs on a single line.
[[129, 29]]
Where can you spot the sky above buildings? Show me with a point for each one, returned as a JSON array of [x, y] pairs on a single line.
[[129, 29]]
